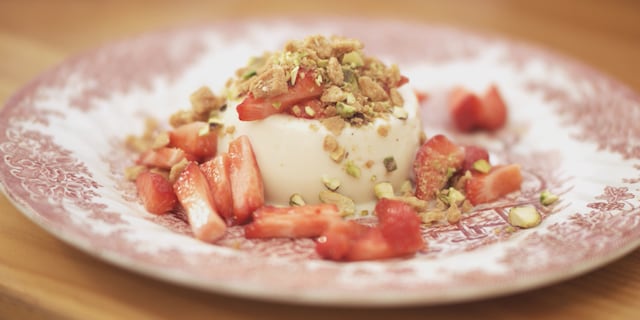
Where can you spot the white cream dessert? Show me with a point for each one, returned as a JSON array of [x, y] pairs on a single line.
[[292, 157], [354, 126]]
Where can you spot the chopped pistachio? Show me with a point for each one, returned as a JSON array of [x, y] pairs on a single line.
[[390, 164], [345, 110], [294, 74], [131, 173], [176, 169], [331, 183], [352, 58], [215, 122], [482, 166], [248, 74], [204, 130], [337, 154], [373, 178], [309, 111], [345, 204], [296, 200], [364, 212], [524, 217], [383, 190], [352, 169], [319, 79], [161, 140], [276, 105], [322, 63], [466, 206], [350, 98], [453, 214], [455, 197], [413, 201], [548, 198], [400, 113]]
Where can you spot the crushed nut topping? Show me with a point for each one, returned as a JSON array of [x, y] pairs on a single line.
[[359, 87]]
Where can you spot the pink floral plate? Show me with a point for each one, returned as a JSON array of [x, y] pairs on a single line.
[[573, 130]]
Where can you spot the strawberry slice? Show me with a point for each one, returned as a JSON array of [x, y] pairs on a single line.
[[292, 222], [473, 154], [436, 161], [494, 110], [156, 192], [501, 180], [465, 109], [338, 240], [247, 188], [195, 139], [163, 158], [400, 226], [217, 172], [194, 194], [305, 88]]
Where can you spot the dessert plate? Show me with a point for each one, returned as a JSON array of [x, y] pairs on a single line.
[[573, 130]]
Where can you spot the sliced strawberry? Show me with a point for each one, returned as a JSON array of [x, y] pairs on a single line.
[[195, 139], [436, 160], [494, 110], [465, 109], [292, 222], [163, 158], [473, 154], [217, 171], [337, 242], [305, 88], [247, 188], [156, 192], [501, 180], [400, 226], [194, 194]]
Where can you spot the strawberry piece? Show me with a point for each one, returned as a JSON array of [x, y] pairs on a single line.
[[436, 161], [494, 110], [191, 140], [156, 192], [194, 194], [163, 158], [292, 222], [400, 226], [305, 88], [247, 188], [371, 245], [217, 171], [465, 109], [501, 180], [473, 154], [337, 242]]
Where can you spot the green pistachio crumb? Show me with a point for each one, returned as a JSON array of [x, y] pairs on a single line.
[[524, 217], [296, 200], [331, 183], [309, 111], [353, 59], [482, 166], [249, 74], [548, 198], [352, 169], [383, 190], [345, 110]]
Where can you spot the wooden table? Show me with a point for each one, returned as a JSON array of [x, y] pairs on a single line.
[[42, 277]]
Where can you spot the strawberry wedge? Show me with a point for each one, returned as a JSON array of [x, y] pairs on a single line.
[[247, 188], [163, 158], [156, 192], [194, 195], [292, 222], [436, 161], [500, 181], [195, 139], [397, 235], [305, 88], [470, 112], [217, 172]]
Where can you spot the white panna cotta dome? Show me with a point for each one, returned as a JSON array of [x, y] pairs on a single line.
[[292, 159]]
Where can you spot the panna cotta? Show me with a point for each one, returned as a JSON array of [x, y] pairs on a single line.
[[294, 157]]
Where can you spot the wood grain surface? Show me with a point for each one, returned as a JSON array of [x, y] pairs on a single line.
[[43, 278]]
